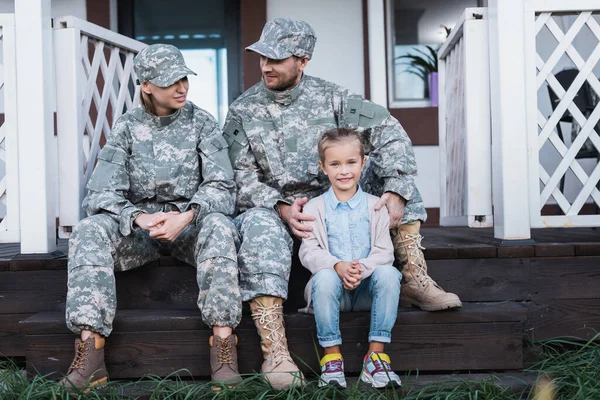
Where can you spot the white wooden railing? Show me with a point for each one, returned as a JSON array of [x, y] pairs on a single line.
[[464, 108], [525, 160], [545, 177], [9, 168], [96, 81], [82, 72]]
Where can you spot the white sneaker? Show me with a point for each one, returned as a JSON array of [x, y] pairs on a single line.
[[332, 371], [378, 372]]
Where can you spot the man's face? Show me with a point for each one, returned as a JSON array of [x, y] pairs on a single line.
[[283, 74]]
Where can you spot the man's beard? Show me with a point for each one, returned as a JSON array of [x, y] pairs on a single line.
[[287, 84]]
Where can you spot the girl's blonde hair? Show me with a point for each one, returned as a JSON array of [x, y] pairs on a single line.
[[337, 135]]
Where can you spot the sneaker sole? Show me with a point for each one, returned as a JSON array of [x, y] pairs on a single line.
[[390, 384], [335, 384]]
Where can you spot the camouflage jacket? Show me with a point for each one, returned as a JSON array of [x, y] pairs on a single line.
[[151, 163], [273, 140]]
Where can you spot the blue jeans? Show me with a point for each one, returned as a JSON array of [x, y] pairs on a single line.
[[379, 293]]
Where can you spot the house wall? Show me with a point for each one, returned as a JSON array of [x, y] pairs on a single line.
[[59, 7], [339, 52]]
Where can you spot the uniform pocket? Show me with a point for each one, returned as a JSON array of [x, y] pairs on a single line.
[[236, 139], [110, 161], [264, 147]]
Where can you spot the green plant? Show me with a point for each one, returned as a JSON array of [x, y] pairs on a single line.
[[421, 64]]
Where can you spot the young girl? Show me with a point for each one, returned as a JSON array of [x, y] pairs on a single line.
[[163, 183], [350, 255]]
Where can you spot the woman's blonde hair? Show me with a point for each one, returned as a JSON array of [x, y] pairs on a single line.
[[146, 101], [338, 135]]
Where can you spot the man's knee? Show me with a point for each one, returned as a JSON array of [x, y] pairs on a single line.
[[261, 223]]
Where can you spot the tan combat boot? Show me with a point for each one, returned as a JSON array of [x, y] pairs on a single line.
[[418, 289], [87, 369], [223, 361], [279, 369]]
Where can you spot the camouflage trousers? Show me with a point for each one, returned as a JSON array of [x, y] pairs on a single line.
[[97, 250], [265, 255]]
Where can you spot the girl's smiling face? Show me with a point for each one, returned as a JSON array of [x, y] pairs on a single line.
[[343, 164]]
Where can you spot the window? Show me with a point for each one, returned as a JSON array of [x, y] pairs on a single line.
[[415, 30]]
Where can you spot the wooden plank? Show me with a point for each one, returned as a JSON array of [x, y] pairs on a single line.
[[578, 317], [482, 280], [164, 320], [554, 250], [32, 291], [477, 252], [516, 252], [515, 382], [12, 344], [445, 347], [158, 287], [560, 278], [587, 249], [174, 287], [143, 288]]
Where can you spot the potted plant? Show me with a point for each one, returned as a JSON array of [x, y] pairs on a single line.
[[425, 66]]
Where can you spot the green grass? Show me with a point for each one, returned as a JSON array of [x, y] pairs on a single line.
[[572, 365]]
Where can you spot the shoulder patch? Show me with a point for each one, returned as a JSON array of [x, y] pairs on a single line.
[[363, 113], [234, 132]]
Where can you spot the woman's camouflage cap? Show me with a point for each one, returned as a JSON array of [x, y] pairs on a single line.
[[161, 65], [284, 37]]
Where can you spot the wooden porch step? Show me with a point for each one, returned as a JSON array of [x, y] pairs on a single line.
[[481, 336], [514, 382]]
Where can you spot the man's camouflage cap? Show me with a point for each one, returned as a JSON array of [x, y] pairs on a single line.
[[284, 37], [161, 65]]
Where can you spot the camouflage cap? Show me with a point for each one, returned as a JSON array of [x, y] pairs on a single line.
[[161, 65], [284, 37]]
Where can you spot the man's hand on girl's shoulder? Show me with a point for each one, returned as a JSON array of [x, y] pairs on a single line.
[[292, 215]]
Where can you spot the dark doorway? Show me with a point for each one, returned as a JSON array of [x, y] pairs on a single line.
[[208, 34]]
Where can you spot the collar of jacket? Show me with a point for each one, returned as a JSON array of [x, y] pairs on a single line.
[[145, 116], [285, 97]]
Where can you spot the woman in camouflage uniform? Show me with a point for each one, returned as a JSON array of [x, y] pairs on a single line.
[[163, 182]]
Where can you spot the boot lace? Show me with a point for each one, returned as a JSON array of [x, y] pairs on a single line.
[[269, 317], [224, 352], [80, 357], [415, 251]]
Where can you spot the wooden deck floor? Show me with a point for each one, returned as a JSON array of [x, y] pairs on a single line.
[[440, 243]]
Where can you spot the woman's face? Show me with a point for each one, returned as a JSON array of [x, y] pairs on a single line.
[[169, 99]]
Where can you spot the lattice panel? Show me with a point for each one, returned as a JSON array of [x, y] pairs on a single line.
[[456, 179], [548, 137], [109, 91]]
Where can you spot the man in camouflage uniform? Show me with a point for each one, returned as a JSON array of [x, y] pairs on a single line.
[[163, 183], [272, 130]]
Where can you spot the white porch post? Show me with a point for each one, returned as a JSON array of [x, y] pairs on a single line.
[[35, 100], [509, 120], [377, 65]]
